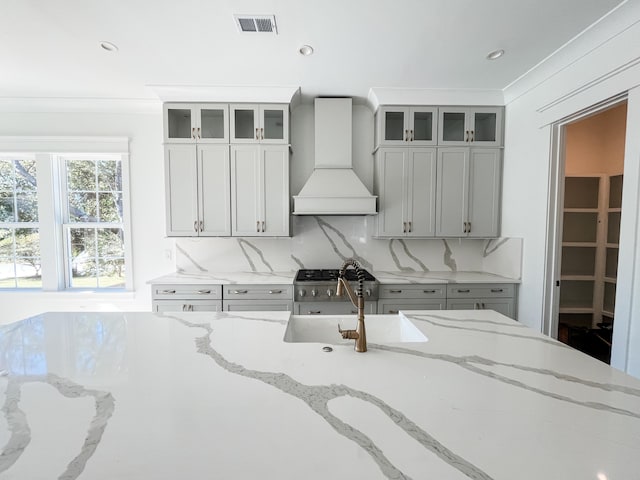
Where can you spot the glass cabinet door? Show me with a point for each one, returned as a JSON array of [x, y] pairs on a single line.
[[244, 123], [422, 126], [179, 123], [393, 126], [453, 126], [274, 126], [486, 126], [213, 125]]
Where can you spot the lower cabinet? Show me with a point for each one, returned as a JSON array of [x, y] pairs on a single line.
[[498, 297], [255, 298], [332, 308], [186, 298], [257, 306], [393, 298]]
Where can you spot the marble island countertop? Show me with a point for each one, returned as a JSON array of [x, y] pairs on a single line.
[[105, 396], [286, 278]]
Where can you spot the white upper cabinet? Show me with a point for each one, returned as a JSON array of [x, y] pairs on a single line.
[[196, 123], [468, 192], [479, 126], [406, 188], [406, 126], [259, 123], [197, 190], [260, 190]]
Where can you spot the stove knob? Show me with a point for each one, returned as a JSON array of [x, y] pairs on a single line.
[[314, 292], [302, 292], [329, 292], [367, 292]]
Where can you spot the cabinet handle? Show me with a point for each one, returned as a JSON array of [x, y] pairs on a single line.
[[202, 225], [261, 133], [468, 227], [472, 135], [404, 227], [354, 311], [395, 291], [393, 311], [314, 312], [428, 291], [406, 135], [410, 227], [187, 308], [198, 132], [459, 290], [411, 135], [204, 292], [257, 138], [476, 306], [263, 226], [467, 137], [166, 292], [195, 225], [497, 290], [258, 226], [274, 292], [464, 227], [240, 292], [193, 132], [483, 307]]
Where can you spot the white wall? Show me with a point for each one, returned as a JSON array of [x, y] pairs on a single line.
[[147, 206], [603, 63]]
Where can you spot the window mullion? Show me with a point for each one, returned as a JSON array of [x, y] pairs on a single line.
[[47, 215]]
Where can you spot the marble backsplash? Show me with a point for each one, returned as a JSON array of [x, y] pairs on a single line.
[[326, 241]]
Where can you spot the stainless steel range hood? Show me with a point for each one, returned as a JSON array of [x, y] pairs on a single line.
[[333, 188]]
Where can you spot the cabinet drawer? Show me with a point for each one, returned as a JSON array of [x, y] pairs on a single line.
[[161, 306], [186, 291], [257, 305], [258, 292], [493, 290], [394, 306], [412, 291], [505, 306], [332, 308]]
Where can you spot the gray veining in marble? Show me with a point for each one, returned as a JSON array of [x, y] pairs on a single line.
[[396, 260], [497, 243], [242, 242], [298, 261], [17, 421], [467, 362], [190, 258], [317, 397], [324, 226], [449, 261]]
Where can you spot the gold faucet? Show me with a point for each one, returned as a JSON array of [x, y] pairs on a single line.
[[359, 334]]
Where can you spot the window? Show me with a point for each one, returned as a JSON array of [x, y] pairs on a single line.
[[64, 218], [20, 262]]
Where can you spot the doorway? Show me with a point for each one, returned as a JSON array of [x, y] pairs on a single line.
[[589, 208]]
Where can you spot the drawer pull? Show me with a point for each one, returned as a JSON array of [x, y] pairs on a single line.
[[428, 291], [395, 291], [314, 312], [354, 311], [187, 308], [204, 292], [459, 290], [275, 292], [393, 311], [240, 292], [167, 291], [497, 290]]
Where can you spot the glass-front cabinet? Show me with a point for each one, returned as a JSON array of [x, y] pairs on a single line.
[[470, 126], [409, 126], [196, 123], [254, 123]]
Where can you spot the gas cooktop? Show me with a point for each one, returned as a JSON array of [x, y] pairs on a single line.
[[330, 275]]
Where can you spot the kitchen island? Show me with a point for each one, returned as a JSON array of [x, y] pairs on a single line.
[[220, 395]]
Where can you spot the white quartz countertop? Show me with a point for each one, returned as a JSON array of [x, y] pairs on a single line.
[[282, 278], [135, 396]]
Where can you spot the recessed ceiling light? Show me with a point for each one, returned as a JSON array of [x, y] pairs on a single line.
[[495, 54], [109, 47], [306, 50]]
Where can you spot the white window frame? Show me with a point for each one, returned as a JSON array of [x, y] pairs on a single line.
[[49, 153]]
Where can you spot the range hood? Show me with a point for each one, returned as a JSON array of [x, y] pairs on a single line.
[[333, 188]]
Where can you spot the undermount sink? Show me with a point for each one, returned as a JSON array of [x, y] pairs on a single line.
[[324, 329]]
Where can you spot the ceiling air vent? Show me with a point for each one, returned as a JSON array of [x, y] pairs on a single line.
[[256, 23]]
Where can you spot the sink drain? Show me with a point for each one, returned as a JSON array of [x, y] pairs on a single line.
[[327, 349]]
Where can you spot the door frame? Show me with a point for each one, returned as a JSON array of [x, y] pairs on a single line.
[[551, 294]]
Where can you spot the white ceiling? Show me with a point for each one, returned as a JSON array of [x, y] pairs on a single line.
[[50, 48]]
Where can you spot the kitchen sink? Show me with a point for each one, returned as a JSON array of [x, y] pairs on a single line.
[[324, 329]]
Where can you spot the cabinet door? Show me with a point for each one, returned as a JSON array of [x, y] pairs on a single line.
[[452, 191], [391, 182], [394, 306], [421, 192], [212, 123], [274, 124], [274, 198], [333, 308], [484, 193], [214, 175], [179, 123], [257, 306], [453, 128], [161, 306], [485, 125], [245, 190], [505, 306], [393, 126], [422, 126], [244, 125], [181, 183], [464, 304]]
